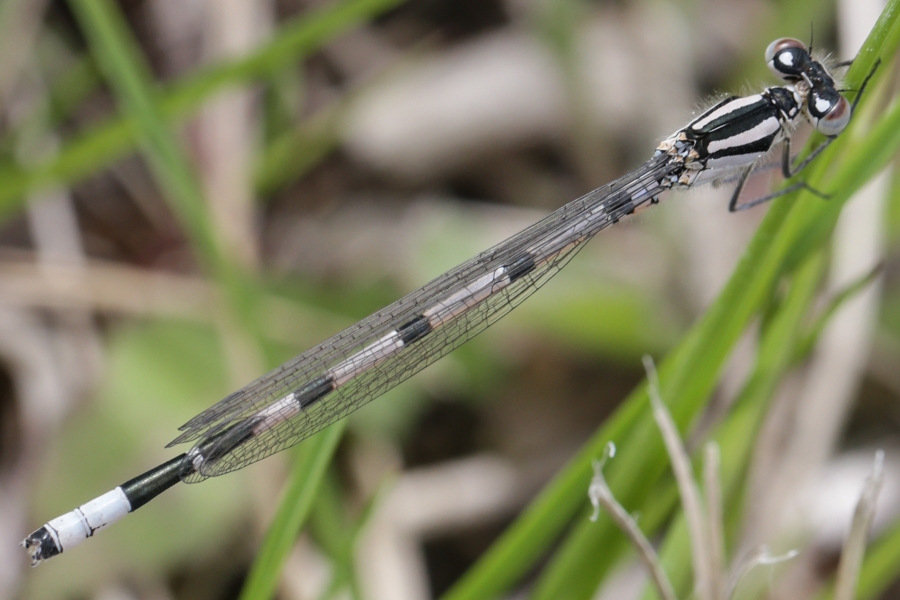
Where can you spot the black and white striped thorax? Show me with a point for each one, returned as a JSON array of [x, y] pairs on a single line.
[[734, 133]]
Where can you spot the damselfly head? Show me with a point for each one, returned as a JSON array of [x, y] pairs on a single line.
[[788, 59], [828, 111]]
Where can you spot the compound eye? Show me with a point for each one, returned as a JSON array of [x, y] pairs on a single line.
[[829, 111], [786, 58]]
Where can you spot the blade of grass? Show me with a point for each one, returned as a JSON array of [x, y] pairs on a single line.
[[296, 151], [834, 305], [854, 548], [712, 491], [96, 148], [120, 59], [737, 437], [342, 554], [880, 568], [692, 503], [601, 497], [295, 506], [585, 557]]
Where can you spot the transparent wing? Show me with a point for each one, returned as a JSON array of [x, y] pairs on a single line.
[[554, 240]]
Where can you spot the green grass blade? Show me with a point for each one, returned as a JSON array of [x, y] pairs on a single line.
[[293, 510], [737, 436], [95, 149], [578, 567], [837, 302], [123, 66], [296, 151]]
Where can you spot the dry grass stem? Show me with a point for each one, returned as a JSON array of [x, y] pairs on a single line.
[[761, 557], [602, 497], [712, 492], [855, 545], [691, 501]]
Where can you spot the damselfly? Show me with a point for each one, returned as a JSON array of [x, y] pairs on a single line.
[[331, 380]]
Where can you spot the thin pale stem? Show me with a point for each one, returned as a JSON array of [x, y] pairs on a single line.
[[691, 501], [855, 544], [760, 558], [601, 497], [712, 491]]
